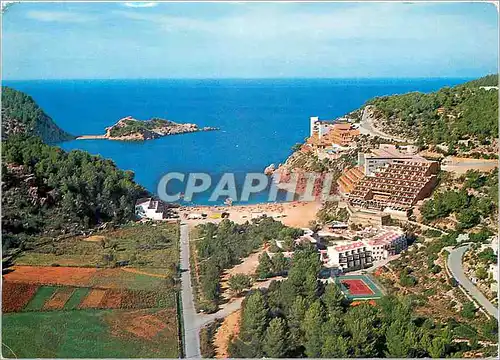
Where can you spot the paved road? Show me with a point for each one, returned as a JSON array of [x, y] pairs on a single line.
[[193, 321], [191, 326], [456, 269], [366, 127]]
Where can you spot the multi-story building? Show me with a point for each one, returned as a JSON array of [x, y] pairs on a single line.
[[376, 159], [349, 256], [331, 133], [349, 179], [387, 243], [343, 134], [396, 186], [358, 249], [319, 127]]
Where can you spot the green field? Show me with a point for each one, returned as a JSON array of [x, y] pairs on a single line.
[[42, 295], [141, 245], [76, 298], [83, 333]]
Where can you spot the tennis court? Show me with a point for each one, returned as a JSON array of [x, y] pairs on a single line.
[[358, 287]]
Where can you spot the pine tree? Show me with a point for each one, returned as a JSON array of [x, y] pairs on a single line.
[[437, 347], [280, 263], [276, 339], [264, 270], [335, 346], [312, 330], [254, 317], [295, 320], [361, 322], [239, 282], [333, 298], [310, 287], [394, 338]]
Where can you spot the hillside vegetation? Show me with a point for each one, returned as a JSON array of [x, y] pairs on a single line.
[[450, 114], [47, 191], [131, 126], [221, 246], [21, 115], [470, 200], [302, 317]]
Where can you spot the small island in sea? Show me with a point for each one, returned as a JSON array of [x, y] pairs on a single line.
[[130, 129]]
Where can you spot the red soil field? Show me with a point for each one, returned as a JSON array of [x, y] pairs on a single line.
[[15, 296], [93, 299], [58, 299], [112, 299], [146, 326], [142, 323], [48, 275], [357, 287]]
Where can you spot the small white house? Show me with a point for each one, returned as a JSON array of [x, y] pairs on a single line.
[[148, 208]]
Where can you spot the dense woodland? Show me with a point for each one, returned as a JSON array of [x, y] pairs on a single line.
[[223, 246], [301, 317], [21, 115], [445, 116], [47, 191]]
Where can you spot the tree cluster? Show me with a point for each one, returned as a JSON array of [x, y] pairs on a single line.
[[268, 267], [49, 191], [132, 126], [302, 317], [224, 245]]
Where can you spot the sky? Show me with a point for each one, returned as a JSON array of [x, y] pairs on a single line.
[[245, 40]]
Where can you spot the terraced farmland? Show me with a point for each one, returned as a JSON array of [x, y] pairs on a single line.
[[90, 311]]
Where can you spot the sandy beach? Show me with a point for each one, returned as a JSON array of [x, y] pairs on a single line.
[[296, 214]]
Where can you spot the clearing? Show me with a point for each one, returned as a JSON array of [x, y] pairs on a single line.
[[230, 327]]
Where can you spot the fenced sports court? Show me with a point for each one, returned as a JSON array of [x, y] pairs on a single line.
[[358, 287]]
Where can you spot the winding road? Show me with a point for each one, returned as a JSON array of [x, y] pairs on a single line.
[[456, 269], [366, 127]]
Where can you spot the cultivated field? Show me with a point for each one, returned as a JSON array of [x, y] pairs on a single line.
[[105, 311], [139, 245], [91, 334]]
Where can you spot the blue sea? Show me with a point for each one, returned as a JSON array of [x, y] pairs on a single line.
[[259, 120]]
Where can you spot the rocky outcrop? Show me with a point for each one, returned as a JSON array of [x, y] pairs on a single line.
[[130, 129], [270, 169]]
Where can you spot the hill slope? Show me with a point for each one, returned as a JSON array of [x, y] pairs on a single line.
[[466, 111], [21, 115], [47, 191]]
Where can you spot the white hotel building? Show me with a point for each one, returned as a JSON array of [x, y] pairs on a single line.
[[359, 254]]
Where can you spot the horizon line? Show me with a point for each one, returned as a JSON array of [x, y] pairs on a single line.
[[259, 78]]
